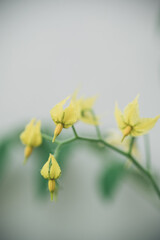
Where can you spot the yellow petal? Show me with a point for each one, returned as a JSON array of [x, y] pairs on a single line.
[[119, 118], [44, 170], [31, 136], [55, 170], [131, 112], [51, 169], [87, 117], [36, 139], [25, 135], [57, 112], [70, 116], [88, 103], [115, 137], [144, 125], [84, 107]]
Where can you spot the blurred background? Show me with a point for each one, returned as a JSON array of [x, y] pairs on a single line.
[[48, 49]]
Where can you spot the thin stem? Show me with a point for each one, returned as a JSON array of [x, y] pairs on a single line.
[[127, 155], [104, 143], [74, 130], [25, 160], [149, 176], [57, 150], [137, 164], [131, 145], [69, 140], [147, 152], [127, 163], [96, 126], [61, 144], [47, 137]]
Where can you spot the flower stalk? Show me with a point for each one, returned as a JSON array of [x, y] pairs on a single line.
[[128, 154], [129, 122]]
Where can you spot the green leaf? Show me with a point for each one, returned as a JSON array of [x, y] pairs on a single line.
[[7, 144], [110, 178]]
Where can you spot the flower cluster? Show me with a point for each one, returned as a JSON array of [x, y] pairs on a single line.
[[81, 109], [130, 122]]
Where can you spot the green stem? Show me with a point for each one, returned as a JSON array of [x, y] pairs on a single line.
[[127, 155], [131, 145], [74, 130], [147, 174], [147, 151], [96, 126], [25, 160], [61, 144], [51, 194]]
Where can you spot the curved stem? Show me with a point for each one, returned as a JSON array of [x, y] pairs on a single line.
[[148, 175], [127, 155], [47, 137], [74, 130], [96, 126], [147, 151], [131, 145]]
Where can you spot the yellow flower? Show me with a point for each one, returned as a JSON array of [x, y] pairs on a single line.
[[31, 137], [63, 118], [114, 138], [130, 122], [51, 171], [84, 107]]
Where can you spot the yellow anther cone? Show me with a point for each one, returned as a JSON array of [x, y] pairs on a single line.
[[126, 132], [51, 187], [57, 130]]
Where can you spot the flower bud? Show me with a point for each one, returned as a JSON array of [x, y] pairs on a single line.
[[57, 130]]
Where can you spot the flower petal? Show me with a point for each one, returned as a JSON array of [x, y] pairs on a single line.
[[87, 117], [84, 108], [144, 126], [57, 111], [88, 103], [36, 138], [70, 115], [53, 171], [119, 118], [131, 112], [44, 170], [31, 136]]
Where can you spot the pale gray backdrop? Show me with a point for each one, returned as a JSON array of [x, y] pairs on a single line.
[[48, 49]]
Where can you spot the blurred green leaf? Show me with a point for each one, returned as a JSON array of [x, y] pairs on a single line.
[[110, 179], [7, 143]]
